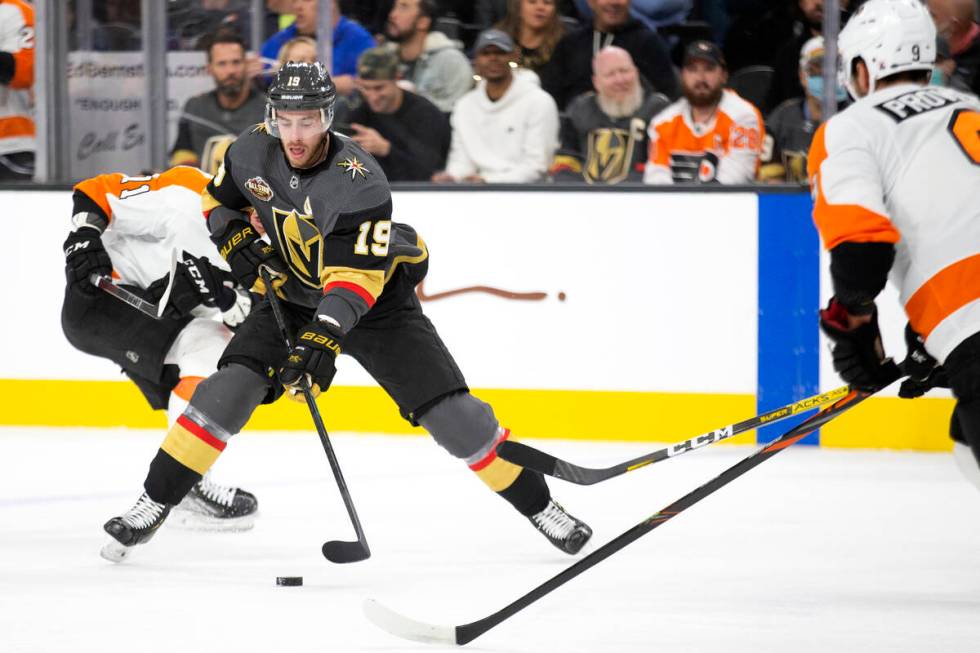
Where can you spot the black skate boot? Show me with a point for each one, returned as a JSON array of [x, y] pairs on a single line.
[[213, 507], [136, 526], [563, 530]]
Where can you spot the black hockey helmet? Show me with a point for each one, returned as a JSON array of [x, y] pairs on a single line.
[[301, 87]]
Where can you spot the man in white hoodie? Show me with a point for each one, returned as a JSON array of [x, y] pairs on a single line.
[[506, 129], [431, 61]]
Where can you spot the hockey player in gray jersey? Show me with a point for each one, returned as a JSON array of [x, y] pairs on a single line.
[[346, 274]]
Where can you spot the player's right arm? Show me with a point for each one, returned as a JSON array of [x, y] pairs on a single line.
[[853, 222], [239, 243], [85, 255]]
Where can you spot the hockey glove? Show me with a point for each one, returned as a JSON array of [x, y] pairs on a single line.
[[924, 371], [859, 356], [314, 356], [197, 283], [245, 252], [85, 256]]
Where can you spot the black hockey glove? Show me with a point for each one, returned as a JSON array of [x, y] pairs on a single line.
[[85, 256], [245, 252], [859, 356], [197, 283], [313, 355], [924, 371]]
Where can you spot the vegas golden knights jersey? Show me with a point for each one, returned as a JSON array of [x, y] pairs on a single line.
[[598, 149], [331, 224]]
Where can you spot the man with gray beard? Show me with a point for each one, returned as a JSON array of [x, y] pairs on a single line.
[[211, 121], [603, 135]]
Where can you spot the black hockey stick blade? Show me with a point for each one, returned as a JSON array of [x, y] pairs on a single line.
[[540, 461], [406, 628], [336, 551], [341, 552]]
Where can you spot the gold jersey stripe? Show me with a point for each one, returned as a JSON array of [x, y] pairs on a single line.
[[372, 281]]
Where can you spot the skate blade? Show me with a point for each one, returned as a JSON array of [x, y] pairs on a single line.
[[115, 552], [192, 521]]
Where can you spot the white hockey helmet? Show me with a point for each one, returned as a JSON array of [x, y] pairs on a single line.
[[890, 36]]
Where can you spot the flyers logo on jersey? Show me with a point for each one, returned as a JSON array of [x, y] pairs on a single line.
[[301, 243], [260, 188]]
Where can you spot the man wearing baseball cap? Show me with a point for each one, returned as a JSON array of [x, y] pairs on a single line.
[[791, 125], [407, 134], [506, 129], [710, 135]]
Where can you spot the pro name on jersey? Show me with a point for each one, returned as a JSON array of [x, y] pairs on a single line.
[[916, 103]]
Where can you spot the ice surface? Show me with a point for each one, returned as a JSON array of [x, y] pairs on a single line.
[[815, 550]]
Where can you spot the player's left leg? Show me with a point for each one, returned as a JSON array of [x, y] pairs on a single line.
[[208, 505], [403, 352], [963, 370]]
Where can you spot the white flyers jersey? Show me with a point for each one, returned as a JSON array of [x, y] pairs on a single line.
[[17, 95], [902, 166], [150, 216]]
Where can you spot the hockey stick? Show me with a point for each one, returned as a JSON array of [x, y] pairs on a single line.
[[402, 626], [155, 311], [337, 551], [539, 461]]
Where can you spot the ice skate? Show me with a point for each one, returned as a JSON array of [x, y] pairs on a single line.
[[213, 507], [136, 526], [562, 529]]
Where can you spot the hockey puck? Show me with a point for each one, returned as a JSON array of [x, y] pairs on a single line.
[[289, 581]]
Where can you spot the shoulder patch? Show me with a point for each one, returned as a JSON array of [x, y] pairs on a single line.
[[260, 188], [355, 167], [915, 103]]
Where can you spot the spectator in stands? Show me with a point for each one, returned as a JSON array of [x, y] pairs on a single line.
[[117, 25], [786, 78], [536, 29], [17, 145], [431, 61], [569, 72], [711, 135], [211, 121], [955, 22], [652, 13], [506, 129], [407, 134], [349, 41], [791, 125], [604, 134], [492, 12], [944, 72], [301, 48]]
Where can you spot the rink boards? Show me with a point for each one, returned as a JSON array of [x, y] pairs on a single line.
[[605, 315]]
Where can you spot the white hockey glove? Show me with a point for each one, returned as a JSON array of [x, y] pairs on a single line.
[[236, 314]]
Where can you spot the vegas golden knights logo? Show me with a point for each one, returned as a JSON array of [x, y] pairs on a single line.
[[301, 242], [610, 153]]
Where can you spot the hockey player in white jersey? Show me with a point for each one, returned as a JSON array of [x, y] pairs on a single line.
[[896, 184], [127, 227]]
